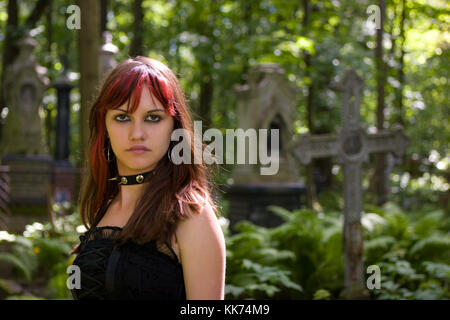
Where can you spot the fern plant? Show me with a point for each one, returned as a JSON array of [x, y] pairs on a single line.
[[254, 265], [412, 251], [316, 240], [40, 256]]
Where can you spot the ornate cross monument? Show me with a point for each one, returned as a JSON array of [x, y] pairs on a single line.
[[352, 145], [267, 101]]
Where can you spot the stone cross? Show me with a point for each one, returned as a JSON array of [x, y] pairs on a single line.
[[352, 145]]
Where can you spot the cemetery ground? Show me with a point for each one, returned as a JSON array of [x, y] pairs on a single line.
[[300, 259]]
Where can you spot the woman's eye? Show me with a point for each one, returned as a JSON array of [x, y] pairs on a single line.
[[121, 117], [156, 118]]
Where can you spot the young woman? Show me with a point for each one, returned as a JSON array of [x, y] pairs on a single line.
[[152, 226]]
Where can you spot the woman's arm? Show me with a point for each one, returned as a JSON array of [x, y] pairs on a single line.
[[203, 255]]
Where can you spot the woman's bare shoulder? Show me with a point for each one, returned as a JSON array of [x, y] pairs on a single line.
[[197, 223]]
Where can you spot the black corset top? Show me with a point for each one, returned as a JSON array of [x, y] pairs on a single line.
[[149, 271]]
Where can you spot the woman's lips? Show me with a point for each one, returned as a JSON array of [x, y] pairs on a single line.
[[138, 151]]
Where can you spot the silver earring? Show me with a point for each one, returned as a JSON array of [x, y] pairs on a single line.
[[168, 154], [108, 156]]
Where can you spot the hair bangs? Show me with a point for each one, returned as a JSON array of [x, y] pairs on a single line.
[[128, 89]]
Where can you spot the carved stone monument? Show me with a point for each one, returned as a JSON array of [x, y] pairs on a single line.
[[352, 145], [23, 149], [24, 87], [267, 102]]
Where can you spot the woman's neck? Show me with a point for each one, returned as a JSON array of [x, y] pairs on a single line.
[[128, 196]]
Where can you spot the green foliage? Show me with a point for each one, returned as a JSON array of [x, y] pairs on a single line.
[[254, 266], [221, 41], [412, 251], [23, 298], [322, 294], [21, 256], [300, 259], [316, 240], [41, 255], [57, 284], [308, 241], [51, 251], [16, 262], [435, 247], [402, 281]]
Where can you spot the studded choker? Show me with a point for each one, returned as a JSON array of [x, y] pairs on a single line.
[[134, 178]]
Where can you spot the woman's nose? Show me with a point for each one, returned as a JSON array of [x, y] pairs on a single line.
[[137, 131]]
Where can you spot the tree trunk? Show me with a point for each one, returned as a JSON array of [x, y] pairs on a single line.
[[88, 53], [136, 42], [248, 35], [380, 158], [310, 185], [104, 16], [401, 71], [49, 65], [206, 96], [207, 81], [49, 30]]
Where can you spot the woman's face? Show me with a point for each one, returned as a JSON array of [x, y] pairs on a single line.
[[148, 127]]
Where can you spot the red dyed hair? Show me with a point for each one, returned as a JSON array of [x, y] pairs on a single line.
[[175, 191]]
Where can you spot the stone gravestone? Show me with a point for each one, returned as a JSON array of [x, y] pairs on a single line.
[[23, 149], [24, 87], [267, 101], [352, 145]]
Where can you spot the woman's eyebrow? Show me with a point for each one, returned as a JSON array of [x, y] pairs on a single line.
[[153, 110]]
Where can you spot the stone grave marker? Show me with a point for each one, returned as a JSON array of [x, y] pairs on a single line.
[[23, 149], [352, 145], [267, 101]]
